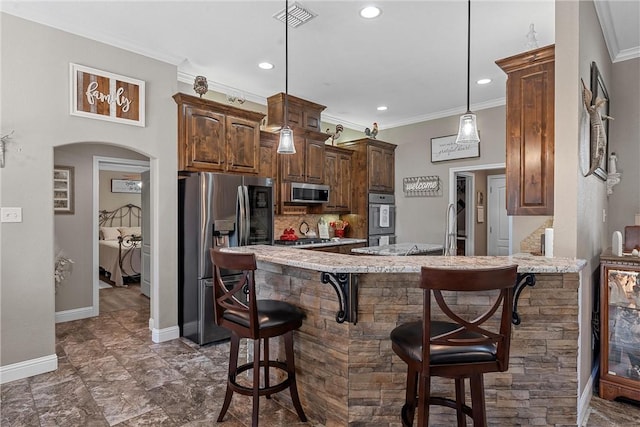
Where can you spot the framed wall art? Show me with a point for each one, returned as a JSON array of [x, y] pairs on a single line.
[[106, 96], [63, 197], [445, 148], [599, 90], [126, 186]]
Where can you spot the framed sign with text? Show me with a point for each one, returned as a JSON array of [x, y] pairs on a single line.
[[445, 148], [106, 96], [126, 186]]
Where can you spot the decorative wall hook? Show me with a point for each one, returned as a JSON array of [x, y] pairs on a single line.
[[3, 140]]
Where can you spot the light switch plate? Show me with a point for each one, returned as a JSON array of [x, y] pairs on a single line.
[[11, 214]]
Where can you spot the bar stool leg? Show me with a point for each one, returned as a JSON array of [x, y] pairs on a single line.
[[266, 365], [462, 418], [424, 398], [409, 409], [256, 382], [291, 371], [477, 399], [233, 366]]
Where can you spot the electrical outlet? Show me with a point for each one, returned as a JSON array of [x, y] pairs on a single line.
[[11, 214]]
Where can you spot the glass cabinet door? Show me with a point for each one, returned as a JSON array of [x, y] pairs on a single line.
[[623, 321]]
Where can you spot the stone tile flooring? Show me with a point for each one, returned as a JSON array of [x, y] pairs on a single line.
[[110, 373]]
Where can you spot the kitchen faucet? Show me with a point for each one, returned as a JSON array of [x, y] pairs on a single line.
[[450, 239]]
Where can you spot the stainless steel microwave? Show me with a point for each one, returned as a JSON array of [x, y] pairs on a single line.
[[300, 192]]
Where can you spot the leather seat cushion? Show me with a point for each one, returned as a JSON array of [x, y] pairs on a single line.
[[409, 338], [271, 313]]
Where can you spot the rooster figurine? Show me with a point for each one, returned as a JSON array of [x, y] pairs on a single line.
[[372, 133], [335, 135]]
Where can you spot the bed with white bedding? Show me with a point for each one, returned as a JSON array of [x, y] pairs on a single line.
[[120, 244]]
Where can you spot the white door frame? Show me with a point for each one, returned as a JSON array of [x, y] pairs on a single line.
[[471, 215], [114, 164]]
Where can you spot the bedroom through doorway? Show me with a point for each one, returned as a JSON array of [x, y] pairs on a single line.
[[122, 283]]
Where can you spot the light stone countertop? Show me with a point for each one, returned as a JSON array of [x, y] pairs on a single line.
[[401, 249], [333, 242], [340, 263]]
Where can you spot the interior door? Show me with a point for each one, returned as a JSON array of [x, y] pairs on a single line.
[[145, 200], [498, 227]]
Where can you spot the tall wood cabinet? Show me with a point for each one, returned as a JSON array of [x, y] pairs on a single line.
[[215, 137], [619, 327], [373, 172], [530, 131], [303, 114]]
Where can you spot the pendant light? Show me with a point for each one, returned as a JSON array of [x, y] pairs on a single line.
[[468, 130], [286, 146]]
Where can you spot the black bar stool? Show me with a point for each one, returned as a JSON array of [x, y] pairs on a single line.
[[257, 320], [457, 348]]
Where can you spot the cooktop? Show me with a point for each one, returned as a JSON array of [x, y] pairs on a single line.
[[301, 241]]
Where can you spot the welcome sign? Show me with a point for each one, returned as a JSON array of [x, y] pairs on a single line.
[[102, 95]]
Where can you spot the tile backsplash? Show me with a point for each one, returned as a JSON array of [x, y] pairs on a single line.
[[283, 222]]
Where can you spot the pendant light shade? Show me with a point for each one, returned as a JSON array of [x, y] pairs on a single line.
[[286, 146], [468, 129]]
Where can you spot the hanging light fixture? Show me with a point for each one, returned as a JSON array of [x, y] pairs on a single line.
[[468, 130], [286, 146]]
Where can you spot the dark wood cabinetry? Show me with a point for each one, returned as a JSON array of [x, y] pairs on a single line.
[[214, 137], [307, 164], [337, 175], [381, 168], [303, 114], [619, 327], [373, 171], [530, 131]]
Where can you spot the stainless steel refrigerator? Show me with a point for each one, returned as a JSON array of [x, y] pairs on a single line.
[[215, 210]]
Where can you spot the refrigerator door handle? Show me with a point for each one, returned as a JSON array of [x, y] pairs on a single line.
[[241, 223], [247, 215]]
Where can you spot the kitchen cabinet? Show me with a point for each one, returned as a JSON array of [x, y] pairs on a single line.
[[373, 171], [337, 175], [619, 327], [530, 131], [303, 114], [214, 137], [381, 160], [268, 154], [307, 164]]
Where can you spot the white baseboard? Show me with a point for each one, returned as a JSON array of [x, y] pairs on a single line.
[[75, 314], [166, 334], [28, 368], [585, 398]]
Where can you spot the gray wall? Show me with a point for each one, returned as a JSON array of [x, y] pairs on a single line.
[[110, 201], [34, 79], [624, 139]]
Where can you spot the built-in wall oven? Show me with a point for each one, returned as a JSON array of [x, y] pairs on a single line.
[[382, 219]]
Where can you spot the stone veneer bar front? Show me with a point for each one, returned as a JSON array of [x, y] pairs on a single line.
[[348, 374]]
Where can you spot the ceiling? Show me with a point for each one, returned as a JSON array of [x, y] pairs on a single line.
[[412, 58]]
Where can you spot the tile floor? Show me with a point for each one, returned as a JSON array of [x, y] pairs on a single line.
[[110, 373]]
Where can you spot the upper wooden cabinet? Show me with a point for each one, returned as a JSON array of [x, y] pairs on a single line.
[[337, 175], [214, 137], [381, 159], [375, 165], [303, 114], [530, 131], [307, 164], [268, 160]]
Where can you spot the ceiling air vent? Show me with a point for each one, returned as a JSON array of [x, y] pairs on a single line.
[[298, 15]]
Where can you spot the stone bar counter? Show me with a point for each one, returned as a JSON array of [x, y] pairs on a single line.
[[347, 372]]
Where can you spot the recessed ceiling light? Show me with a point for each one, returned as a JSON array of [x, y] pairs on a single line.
[[382, 108], [370, 12], [265, 65], [483, 81]]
